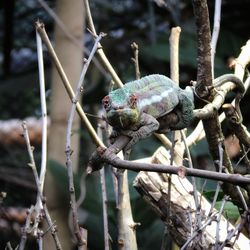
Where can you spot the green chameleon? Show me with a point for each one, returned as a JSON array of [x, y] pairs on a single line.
[[152, 104], [142, 107]]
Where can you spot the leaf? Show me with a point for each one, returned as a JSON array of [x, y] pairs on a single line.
[[230, 210]]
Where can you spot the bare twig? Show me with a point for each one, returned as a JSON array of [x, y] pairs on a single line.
[[8, 246], [43, 108], [216, 30], [26, 229], [174, 75], [100, 52], [104, 201], [109, 156], [64, 29], [41, 30], [82, 243], [197, 232], [195, 191], [218, 184], [235, 232], [135, 59], [177, 147], [34, 169], [174, 54], [217, 238]]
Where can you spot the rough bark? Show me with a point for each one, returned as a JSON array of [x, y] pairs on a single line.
[[211, 125]]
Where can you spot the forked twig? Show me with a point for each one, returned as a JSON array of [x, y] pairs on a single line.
[[82, 243]]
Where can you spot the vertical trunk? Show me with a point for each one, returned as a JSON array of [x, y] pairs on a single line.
[[126, 224], [71, 57]]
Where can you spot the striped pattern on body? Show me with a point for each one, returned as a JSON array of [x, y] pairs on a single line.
[[157, 95]]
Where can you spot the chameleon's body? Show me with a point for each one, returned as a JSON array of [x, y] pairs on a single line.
[[154, 104], [142, 107]]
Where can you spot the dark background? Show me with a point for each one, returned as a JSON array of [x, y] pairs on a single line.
[[143, 22]]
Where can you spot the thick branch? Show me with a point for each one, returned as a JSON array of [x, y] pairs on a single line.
[[211, 125], [240, 63], [204, 72], [109, 156]]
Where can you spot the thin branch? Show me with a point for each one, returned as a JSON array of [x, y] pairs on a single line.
[[164, 140], [8, 246], [217, 237], [243, 200], [177, 148], [82, 243], [64, 29], [109, 156], [26, 229], [197, 232], [100, 52], [105, 209], [135, 59], [218, 187], [174, 53], [41, 30], [195, 191], [232, 233], [43, 108], [216, 31], [40, 195]]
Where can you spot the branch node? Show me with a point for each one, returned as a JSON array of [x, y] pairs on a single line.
[[182, 172]]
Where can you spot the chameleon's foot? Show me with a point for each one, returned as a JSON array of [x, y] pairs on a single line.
[[135, 137]]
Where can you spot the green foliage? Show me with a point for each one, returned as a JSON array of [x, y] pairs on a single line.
[[230, 210]]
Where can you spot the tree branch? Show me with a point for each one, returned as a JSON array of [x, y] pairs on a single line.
[[211, 125], [41, 30], [108, 156]]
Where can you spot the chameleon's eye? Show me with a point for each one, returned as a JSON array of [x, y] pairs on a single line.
[[106, 102], [132, 100]]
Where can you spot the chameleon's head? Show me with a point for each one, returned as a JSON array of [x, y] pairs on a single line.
[[121, 109]]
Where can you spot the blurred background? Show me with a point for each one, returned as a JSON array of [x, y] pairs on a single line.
[[146, 22]]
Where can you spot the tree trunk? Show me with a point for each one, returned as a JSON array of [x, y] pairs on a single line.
[[71, 57]]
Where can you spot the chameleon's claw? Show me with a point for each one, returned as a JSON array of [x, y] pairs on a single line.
[[135, 137]]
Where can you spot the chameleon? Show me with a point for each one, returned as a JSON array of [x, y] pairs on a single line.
[[153, 103]]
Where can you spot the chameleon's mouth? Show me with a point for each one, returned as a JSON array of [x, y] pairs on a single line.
[[122, 118]]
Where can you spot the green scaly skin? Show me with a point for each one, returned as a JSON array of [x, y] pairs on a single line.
[[143, 106], [154, 104]]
